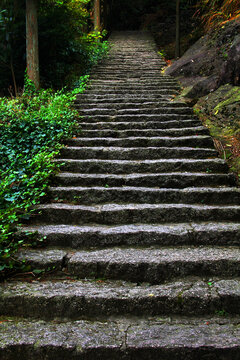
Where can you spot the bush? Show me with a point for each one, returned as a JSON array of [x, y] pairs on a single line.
[[31, 129]]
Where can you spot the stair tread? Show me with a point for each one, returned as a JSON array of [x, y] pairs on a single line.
[[76, 298], [118, 207], [133, 256], [194, 336]]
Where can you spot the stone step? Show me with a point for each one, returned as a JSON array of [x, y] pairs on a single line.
[[139, 265], [138, 74], [128, 67], [153, 265], [139, 111], [163, 104], [139, 117], [136, 87], [130, 105], [208, 337], [139, 125], [123, 59], [84, 99], [93, 299], [93, 236], [141, 195], [139, 153], [117, 214], [131, 68], [162, 180], [96, 166], [200, 130], [201, 141], [129, 81], [141, 76], [127, 97], [164, 90]]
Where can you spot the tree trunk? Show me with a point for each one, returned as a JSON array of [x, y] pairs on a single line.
[[97, 15], [32, 41], [177, 49]]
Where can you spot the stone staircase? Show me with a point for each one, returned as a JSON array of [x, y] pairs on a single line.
[[142, 230]]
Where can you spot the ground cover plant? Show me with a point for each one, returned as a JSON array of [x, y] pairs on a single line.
[[32, 127]]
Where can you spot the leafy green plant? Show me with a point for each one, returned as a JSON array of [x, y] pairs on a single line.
[[31, 130], [162, 53]]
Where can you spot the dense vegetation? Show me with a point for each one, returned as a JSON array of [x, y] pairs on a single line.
[[67, 45], [34, 123]]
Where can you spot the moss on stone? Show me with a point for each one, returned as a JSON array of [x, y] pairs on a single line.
[[232, 96]]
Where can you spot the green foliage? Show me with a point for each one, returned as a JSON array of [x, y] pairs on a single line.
[[162, 53], [67, 48], [31, 128]]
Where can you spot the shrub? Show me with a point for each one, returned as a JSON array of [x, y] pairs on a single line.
[[31, 129]]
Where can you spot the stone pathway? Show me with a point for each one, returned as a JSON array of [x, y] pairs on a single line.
[[143, 226]]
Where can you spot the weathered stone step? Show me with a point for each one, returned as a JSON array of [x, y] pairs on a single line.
[[96, 166], [78, 299], [141, 76], [133, 82], [138, 74], [139, 153], [176, 180], [139, 125], [128, 68], [126, 338], [76, 237], [117, 214], [85, 99], [129, 105], [139, 117], [139, 111], [121, 59], [136, 88], [151, 265], [164, 105], [164, 90], [131, 66], [202, 141], [127, 97], [200, 130], [101, 194]]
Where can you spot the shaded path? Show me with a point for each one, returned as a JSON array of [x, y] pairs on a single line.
[[144, 223]]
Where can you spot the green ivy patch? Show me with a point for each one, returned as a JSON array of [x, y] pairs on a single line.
[[32, 128]]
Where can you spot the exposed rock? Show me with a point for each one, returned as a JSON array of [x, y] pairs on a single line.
[[212, 61]]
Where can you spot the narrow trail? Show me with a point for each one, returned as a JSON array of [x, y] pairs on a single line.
[[143, 227]]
